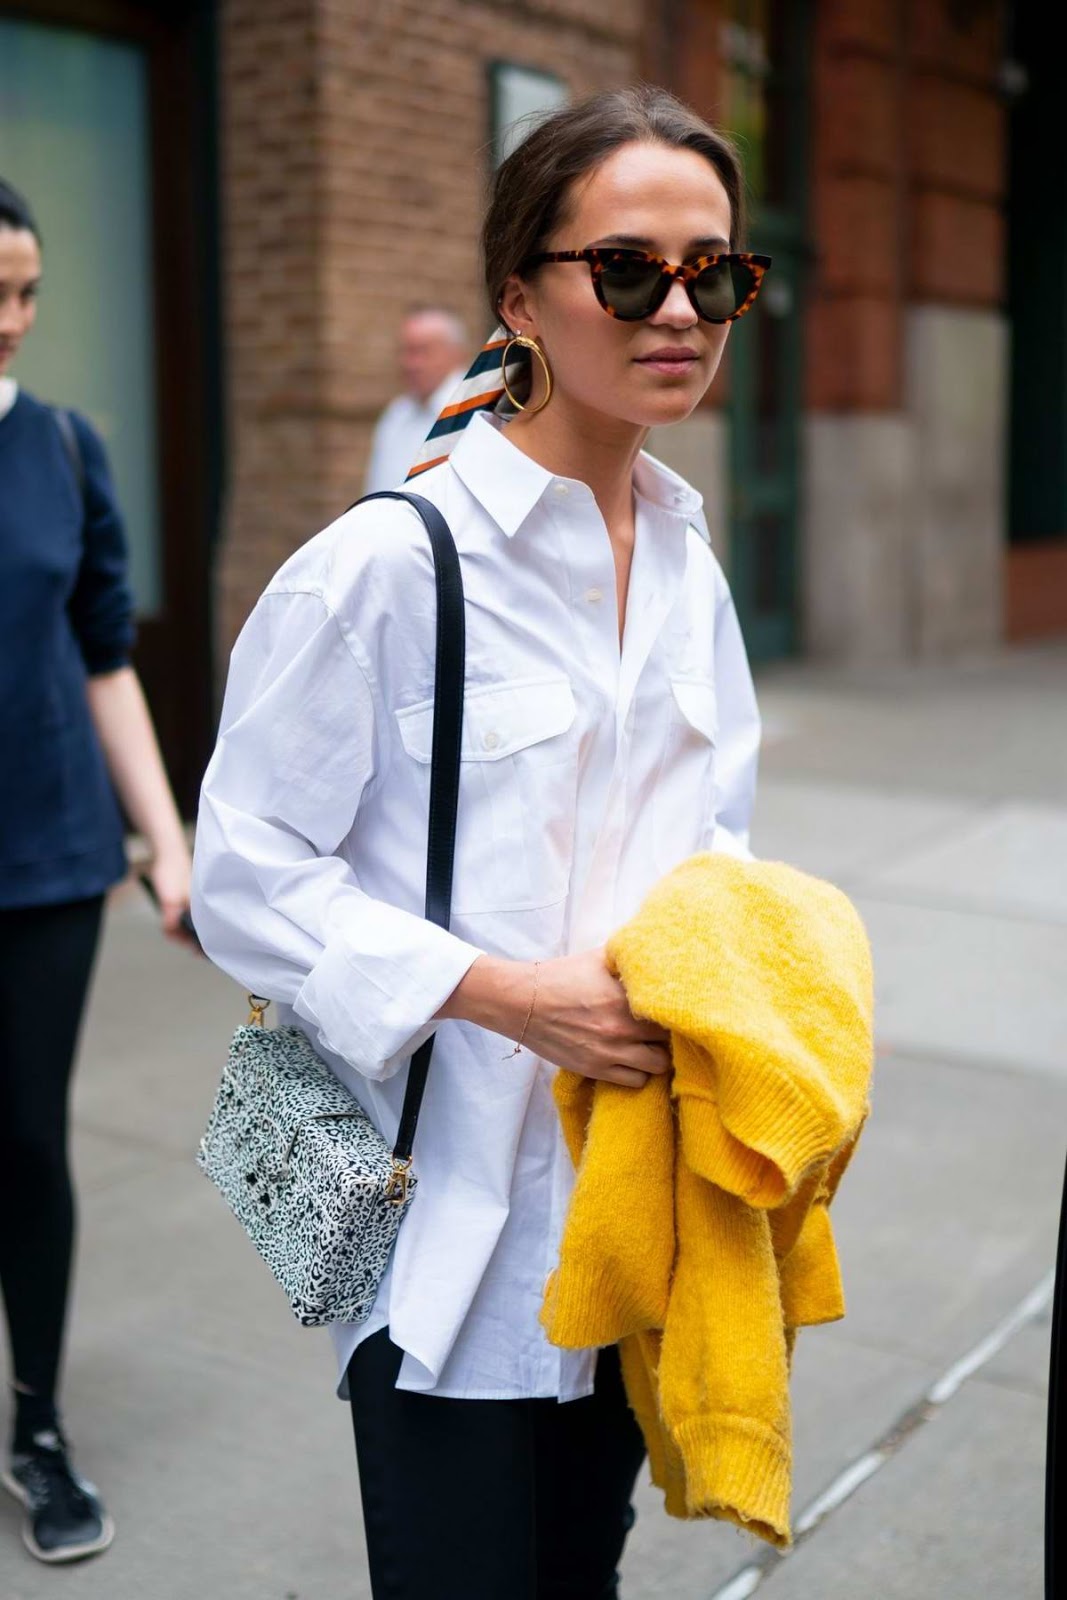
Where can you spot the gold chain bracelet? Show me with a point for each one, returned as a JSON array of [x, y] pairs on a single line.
[[533, 1001]]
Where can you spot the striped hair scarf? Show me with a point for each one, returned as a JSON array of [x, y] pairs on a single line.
[[482, 389]]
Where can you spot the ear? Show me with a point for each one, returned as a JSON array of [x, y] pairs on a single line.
[[517, 306]]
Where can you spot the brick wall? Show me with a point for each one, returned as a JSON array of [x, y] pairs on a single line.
[[857, 206], [907, 184], [271, 233], [353, 173], [958, 155]]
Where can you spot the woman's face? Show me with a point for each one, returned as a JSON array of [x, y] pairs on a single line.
[[20, 274], [645, 196]]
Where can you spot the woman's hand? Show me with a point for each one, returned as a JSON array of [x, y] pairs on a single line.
[[171, 876], [580, 1018], [124, 727]]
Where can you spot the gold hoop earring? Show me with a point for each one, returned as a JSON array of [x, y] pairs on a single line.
[[532, 345]]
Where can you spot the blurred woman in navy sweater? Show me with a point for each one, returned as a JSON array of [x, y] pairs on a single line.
[[76, 739]]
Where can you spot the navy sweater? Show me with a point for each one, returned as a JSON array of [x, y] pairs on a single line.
[[65, 614]]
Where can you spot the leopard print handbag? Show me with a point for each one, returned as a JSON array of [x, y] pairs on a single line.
[[305, 1172], [319, 1191]]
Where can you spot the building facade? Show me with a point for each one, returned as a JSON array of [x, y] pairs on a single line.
[[882, 455]]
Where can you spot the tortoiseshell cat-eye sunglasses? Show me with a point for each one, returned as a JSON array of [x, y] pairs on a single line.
[[633, 284]]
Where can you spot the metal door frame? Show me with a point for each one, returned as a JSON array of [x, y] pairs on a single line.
[[781, 232]]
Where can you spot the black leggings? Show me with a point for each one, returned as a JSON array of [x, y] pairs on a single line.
[[492, 1499], [46, 958]]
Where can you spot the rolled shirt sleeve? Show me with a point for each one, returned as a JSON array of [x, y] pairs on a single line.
[[101, 604], [275, 902]]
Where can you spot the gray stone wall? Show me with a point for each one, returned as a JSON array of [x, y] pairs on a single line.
[[902, 526], [957, 374]]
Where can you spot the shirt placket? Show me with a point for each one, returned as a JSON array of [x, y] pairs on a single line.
[[655, 577], [587, 561], [583, 556]]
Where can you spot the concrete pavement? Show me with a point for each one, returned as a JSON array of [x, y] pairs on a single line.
[[938, 799]]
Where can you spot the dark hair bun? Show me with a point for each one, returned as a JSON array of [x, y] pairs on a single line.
[[15, 211]]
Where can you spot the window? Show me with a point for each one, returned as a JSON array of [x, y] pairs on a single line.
[[519, 98], [74, 138]]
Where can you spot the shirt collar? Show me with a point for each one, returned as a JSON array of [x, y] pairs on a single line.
[[666, 489], [504, 481], [508, 484]]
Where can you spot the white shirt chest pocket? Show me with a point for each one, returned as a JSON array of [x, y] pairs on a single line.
[[517, 791], [683, 805]]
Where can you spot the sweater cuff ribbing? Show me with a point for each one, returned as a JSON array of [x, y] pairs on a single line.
[[771, 1134], [737, 1470], [588, 1304]]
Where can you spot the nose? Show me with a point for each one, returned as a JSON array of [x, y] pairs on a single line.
[[677, 310]]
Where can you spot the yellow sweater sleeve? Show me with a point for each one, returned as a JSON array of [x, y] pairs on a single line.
[[723, 1372], [617, 1252]]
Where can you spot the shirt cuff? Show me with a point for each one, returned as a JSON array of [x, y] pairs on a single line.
[[102, 663], [373, 1002]]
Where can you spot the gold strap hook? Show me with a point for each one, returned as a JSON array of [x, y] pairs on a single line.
[[259, 1006]]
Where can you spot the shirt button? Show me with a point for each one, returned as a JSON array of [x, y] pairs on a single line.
[[561, 488], [491, 741], [593, 595]]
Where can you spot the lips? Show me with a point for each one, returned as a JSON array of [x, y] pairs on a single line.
[[673, 359]]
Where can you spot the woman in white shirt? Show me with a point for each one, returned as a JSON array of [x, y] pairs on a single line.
[[610, 730]]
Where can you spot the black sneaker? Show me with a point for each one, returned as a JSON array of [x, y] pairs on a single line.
[[64, 1517]]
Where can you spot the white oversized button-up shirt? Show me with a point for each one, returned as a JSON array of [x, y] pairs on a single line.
[[587, 772]]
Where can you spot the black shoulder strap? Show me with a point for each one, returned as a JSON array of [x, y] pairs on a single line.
[[444, 765], [71, 447]]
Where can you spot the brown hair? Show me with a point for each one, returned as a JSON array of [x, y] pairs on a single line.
[[529, 191]]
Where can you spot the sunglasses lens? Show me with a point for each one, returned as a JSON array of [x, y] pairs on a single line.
[[628, 284], [722, 290]]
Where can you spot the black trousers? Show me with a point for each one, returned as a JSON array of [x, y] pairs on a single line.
[[46, 958], [492, 1499]]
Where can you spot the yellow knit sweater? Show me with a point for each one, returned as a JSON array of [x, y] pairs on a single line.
[[698, 1235]]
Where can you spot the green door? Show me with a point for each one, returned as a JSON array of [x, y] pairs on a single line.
[[766, 81]]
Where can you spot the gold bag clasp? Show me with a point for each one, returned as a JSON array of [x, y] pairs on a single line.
[[259, 1005], [396, 1185]]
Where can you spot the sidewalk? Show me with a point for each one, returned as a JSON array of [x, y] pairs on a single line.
[[938, 800]]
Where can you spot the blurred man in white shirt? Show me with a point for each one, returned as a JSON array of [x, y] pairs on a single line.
[[433, 353]]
